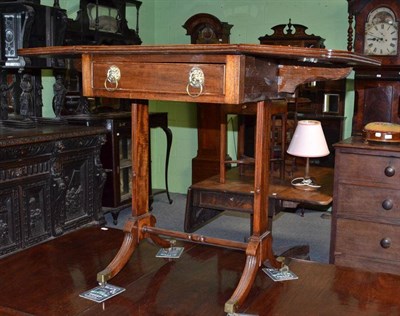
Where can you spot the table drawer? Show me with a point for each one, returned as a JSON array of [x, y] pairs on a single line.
[[377, 204], [374, 169], [161, 78], [227, 79], [367, 239], [225, 201]]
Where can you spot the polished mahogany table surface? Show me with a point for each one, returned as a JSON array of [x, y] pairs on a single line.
[[47, 280], [279, 189], [207, 198]]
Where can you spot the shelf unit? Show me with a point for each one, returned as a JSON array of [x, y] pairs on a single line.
[[116, 156]]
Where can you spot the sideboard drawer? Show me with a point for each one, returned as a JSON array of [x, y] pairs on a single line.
[[368, 202], [376, 169], [367, 239]]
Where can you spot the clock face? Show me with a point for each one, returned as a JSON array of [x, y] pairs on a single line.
[[381, 33], [381, 39]]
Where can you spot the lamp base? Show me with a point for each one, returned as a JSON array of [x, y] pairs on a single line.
[[305, 184]]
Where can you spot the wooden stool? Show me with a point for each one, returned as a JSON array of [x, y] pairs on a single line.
[[278, 115]]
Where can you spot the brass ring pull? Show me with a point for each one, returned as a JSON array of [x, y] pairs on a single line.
[[193, 95], [113, 77], [196, 80]]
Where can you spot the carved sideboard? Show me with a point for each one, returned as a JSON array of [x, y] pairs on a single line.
[[51, 182]]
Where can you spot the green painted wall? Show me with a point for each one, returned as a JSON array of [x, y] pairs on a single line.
[[251, 19], [161, 23]]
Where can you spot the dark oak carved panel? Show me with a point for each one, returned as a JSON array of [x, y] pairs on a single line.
[[35, 211], [48, 187], [10, 236]]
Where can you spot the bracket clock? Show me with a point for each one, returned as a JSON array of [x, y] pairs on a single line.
[[376, 34]]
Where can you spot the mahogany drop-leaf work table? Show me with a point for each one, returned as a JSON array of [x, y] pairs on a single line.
[[234, 74]]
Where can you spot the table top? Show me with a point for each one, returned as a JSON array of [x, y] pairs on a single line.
[[110, 115], [212, 73], [280, 189], [300, 54], [360, 143], [284, 190], [10, 136]]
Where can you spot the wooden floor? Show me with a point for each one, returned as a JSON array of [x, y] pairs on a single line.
[[47, 280]]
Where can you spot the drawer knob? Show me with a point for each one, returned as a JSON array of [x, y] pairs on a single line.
[[387, 204], [390, 171], [386, 242], [113, 77], [196, 80]]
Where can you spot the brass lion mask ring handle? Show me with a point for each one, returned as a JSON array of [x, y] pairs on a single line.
[[112, 79], [196, 80]]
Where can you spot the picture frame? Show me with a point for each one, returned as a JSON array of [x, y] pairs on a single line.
[[331, 103]]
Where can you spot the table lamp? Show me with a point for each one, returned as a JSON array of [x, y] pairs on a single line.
[[309, 142]]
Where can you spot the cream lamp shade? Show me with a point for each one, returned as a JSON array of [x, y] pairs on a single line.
[[308, 141]]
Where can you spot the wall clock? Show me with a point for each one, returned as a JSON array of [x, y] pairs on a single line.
[[376, 34]]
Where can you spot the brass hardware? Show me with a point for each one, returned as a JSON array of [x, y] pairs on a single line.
[[113, 77], [196, 80], [102, 278], [281, 261]]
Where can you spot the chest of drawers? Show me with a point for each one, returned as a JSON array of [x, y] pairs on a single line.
[[366, 209]]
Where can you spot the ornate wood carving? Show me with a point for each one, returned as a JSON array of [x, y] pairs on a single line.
[[65, 184], [293, 35]]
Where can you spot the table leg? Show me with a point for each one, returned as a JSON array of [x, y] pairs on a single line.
[[161, 120], [259, 248], [168, 133], [140, 217], [142, 224]]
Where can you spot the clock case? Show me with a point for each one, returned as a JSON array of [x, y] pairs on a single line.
[[377, 89], [359, 11]]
